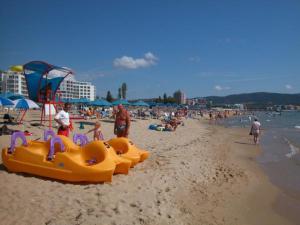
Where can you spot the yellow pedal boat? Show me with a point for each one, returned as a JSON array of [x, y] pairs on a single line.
[[127, 150], [60, 158]]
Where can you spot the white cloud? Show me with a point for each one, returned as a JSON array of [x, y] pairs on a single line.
[[150, 56], [288, 86], [220, 88], [128, 62]]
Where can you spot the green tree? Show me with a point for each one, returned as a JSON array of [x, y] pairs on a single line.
[[119, 93], [159, 99], [109, 97], [165, 98], [124, 90], [171, 100], [97, 97]]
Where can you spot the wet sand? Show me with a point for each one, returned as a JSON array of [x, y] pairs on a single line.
[[200, 174]]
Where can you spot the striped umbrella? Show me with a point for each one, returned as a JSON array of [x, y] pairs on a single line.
[[25, 104]]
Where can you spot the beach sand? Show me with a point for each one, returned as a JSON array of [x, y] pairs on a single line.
[[200, 174]]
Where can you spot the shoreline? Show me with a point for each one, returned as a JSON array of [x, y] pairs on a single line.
[[280, 171], [200, 174], [252, 198]]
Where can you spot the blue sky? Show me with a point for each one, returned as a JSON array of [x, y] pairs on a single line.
[[213, 47]]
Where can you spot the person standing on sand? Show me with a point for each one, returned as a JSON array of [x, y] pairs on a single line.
[[63, 119], [255, 130], [122, 122], [98, 136]]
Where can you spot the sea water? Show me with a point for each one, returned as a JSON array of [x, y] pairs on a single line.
[[280, 144]]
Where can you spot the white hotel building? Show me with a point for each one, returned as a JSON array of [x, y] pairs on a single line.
[[14, 82], [73, 89]]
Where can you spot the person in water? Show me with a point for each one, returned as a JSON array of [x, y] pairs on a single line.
[[122, 122], [255, 130], [98, 136]]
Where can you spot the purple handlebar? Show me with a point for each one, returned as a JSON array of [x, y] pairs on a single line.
[[53, 141], [14, 136], [47, 133], [82, 137]]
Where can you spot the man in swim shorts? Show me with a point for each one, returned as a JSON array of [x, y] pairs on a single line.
[[122, 122]]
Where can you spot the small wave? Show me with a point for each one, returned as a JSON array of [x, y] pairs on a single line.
[[293, 149], [297, 127]]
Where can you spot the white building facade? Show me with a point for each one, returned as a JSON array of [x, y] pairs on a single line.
[[180, 97], [13, 82], [73, 89]]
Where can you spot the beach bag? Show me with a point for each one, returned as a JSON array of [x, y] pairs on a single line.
[[152, 127]]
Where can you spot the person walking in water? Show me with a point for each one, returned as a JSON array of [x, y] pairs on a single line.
[[255, 130], [122, 122]]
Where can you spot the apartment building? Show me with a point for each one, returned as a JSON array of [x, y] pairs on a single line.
[[13, 82], [73, 89], [180, 97]]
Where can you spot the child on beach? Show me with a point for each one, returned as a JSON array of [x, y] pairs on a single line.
[[98, 136]]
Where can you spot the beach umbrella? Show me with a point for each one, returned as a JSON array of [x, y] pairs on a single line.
[[152, 104], [6, 102], [11, 96], [140, 103], [121, 102], [100, 102], [84, 100], [24, 105], [17, 68]]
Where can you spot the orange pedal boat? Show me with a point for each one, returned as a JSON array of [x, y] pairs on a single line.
[[127, 150], [60, 158]]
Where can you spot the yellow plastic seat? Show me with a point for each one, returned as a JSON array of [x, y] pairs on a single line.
[[127, 150]]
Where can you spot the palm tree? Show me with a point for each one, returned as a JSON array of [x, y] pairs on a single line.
[[109, 97]]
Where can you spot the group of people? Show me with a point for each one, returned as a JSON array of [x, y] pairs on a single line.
[[90, 113], [121, 125]]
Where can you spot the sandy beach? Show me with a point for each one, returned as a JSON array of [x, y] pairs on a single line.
[[200, 174]]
